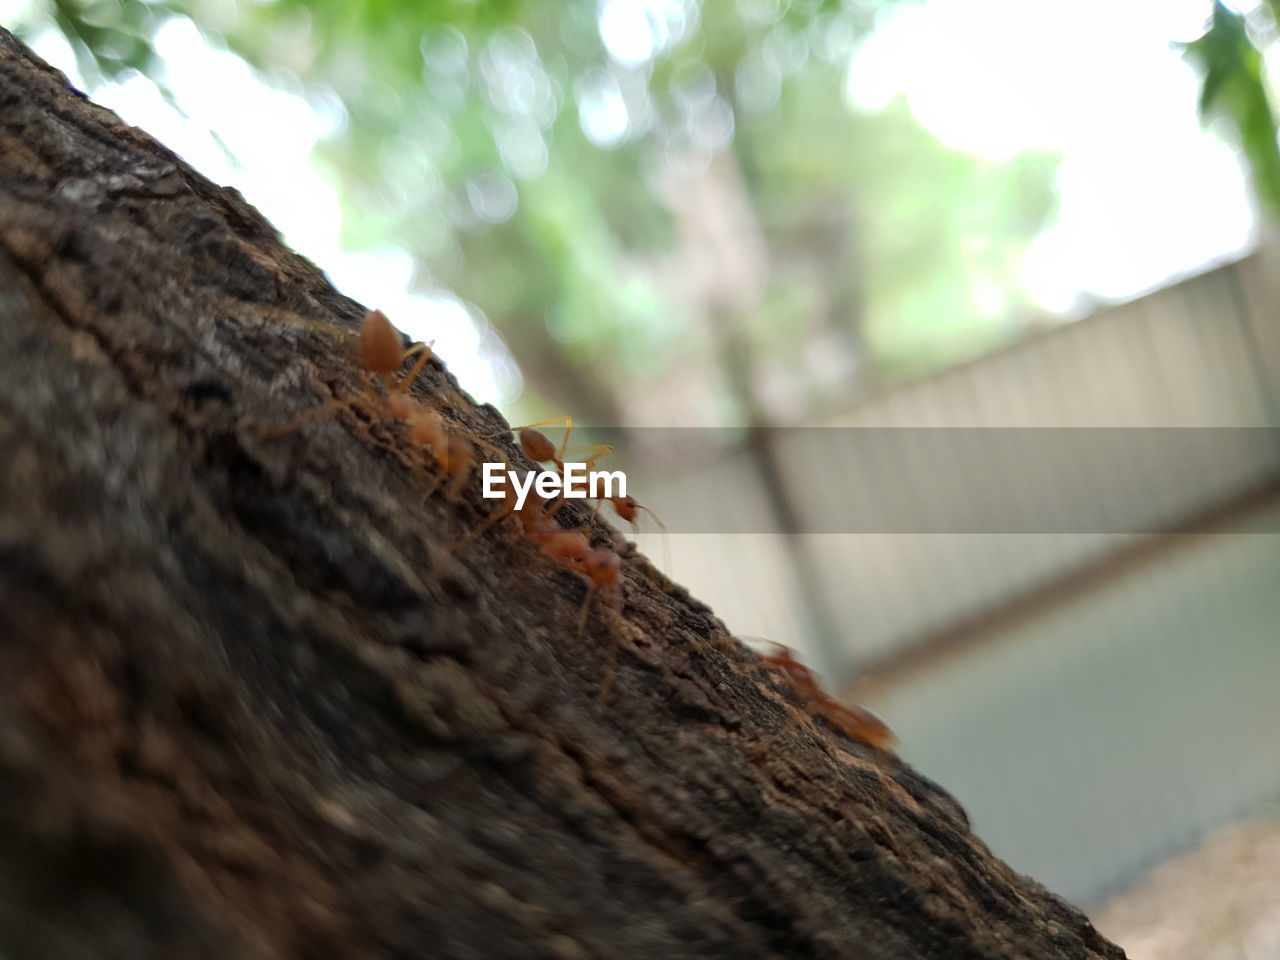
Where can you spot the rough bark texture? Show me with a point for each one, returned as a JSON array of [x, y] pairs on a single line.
[[260, 699]]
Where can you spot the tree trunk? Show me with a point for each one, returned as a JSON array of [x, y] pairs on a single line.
[[262, 698]]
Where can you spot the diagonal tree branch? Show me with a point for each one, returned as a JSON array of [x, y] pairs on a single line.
[[267, 699]]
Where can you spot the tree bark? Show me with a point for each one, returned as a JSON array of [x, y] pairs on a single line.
[[262, 698]]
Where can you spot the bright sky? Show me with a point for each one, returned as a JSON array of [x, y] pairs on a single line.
[[270, 163], [1145, 194]]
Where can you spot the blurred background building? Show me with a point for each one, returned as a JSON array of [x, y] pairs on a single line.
[[1016, 259]]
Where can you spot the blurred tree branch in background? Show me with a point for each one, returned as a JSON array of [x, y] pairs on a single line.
[[598, 180], [533, 157]]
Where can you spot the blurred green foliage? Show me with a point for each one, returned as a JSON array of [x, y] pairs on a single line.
[[537, 157], [1234, 89]]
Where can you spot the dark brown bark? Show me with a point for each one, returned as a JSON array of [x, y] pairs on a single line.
[[259, 699]]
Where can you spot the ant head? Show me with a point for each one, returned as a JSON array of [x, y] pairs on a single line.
[[380, 343], [626, 508], [602, 567], [536, 446]]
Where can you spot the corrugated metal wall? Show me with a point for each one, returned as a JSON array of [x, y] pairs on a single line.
[[1110, 724]]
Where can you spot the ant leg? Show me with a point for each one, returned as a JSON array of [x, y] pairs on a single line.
[[617, 604], [461, 455], [500, 513], [598, 452], [564, 444], [611, 665], [501, 457], [568, 421], [656, 518], [610, 670], [602, 450], [416, 348], [406, 382], [666, 539], [586, 607]]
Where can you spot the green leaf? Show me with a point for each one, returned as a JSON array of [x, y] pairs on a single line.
[[1234, 91]]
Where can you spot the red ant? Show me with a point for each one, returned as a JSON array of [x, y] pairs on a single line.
[[572, 550], [538, 447], [382, 353], [455, 455], [628, 508], [602, 568], [857, 723], [568, 548]]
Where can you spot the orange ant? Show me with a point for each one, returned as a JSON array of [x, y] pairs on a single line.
[[572, 550], [538, 447], [382, 353], [628, 508], [534, 519], [857, 723], [567, 548], [454, 455], [601, 567]]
